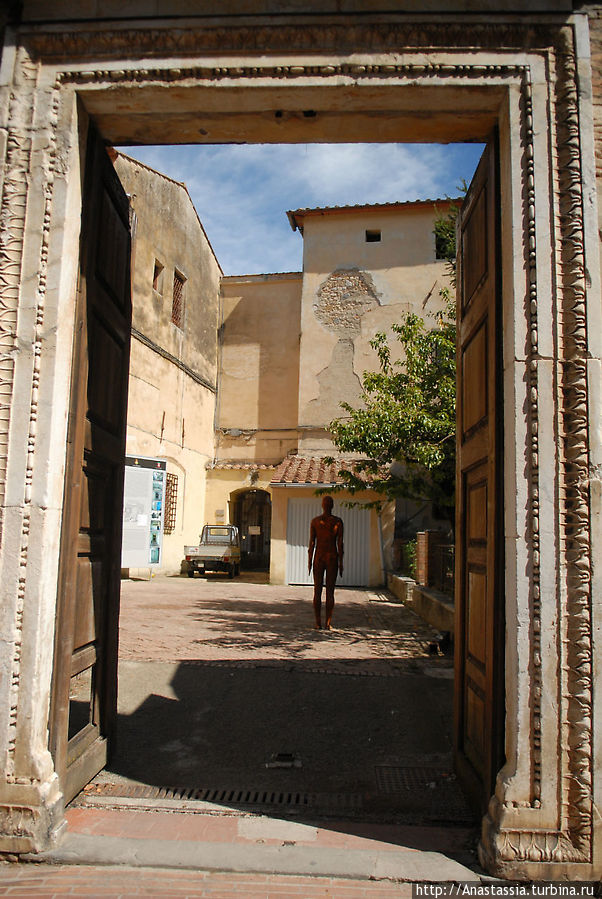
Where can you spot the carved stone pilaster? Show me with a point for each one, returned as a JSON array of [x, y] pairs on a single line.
[[574, 519], [503, 848], [30, 808], [17, 164]]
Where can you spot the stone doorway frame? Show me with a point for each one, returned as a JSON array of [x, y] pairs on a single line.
[[532, 78]]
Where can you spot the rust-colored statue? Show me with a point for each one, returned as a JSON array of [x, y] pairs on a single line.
[[326, 537]]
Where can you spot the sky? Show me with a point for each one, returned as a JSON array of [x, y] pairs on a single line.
[[243, 191]]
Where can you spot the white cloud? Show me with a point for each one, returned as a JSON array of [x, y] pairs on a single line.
[[242, 192]]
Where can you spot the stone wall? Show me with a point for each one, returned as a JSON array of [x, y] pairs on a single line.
[[173, 369], [354, 288]]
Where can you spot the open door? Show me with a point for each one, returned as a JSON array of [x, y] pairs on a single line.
[[479, 739], [84, 692]]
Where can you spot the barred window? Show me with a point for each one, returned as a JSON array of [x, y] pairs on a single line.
[[171, 502], [177, 306]]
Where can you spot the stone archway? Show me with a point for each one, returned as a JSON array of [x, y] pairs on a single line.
[[225, 79]]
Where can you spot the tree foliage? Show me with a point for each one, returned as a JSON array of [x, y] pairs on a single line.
[[408, 410]]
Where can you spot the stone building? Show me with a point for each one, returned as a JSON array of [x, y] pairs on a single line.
[[173, 357], [526, 80], [292, 347]]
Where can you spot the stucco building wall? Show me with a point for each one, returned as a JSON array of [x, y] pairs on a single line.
[[383, 279], [259, 367], [173, 370]]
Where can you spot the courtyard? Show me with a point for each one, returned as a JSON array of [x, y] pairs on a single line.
[[226, 690], [249, 742]]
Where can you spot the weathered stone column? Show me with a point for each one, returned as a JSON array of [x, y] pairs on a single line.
[[36, 321]]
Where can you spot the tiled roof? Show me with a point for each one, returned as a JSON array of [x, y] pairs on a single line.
[[234, 465], [299, 470], [295, 214]]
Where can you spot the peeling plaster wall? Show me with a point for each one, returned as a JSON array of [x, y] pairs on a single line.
[[352, 289]]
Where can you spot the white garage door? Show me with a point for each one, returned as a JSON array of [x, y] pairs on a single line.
[[356, 561]]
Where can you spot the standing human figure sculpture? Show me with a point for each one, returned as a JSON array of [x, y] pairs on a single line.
[[326, 538]]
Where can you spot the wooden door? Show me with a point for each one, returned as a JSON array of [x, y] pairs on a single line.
[[84, 694], [479, 500]]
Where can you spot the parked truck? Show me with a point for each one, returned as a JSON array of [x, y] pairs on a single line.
[[218, 550]]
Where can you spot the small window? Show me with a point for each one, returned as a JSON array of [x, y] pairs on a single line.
[[373, 236], [158, 277], [171, 503], [177, 306]]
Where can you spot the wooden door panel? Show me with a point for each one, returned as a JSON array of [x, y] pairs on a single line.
[[474, 363], [476, 511], [104, 395], [84, 684], [112, 262], [475, 738], [479, 505], [87, 588], [476, 616], [474, 244]]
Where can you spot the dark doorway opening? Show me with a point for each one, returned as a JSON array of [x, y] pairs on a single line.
[[251, 512]]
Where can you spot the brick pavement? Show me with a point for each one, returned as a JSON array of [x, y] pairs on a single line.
[[41, 880], [213, 618]]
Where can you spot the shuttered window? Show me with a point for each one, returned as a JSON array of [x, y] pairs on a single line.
[[177, 306], [170, 503]]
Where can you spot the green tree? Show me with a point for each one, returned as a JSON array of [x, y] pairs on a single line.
[[408, 411]]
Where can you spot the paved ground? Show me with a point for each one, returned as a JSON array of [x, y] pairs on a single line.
[[49, 881], [212, 617], [308, 763], [253, 698]]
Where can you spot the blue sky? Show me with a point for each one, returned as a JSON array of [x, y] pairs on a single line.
[[242, 191]]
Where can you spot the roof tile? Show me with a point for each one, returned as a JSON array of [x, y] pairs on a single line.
[[301, 470]]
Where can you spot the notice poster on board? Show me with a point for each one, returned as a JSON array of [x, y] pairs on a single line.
[[143, 505]]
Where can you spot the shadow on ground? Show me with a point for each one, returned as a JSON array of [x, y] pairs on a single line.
[[242, 622], [309, 738]]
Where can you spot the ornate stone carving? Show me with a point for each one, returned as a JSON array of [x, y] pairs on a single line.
[[328, 36], [12, 235], [537, 846], [574, 518], [530, 249], [214, 73]]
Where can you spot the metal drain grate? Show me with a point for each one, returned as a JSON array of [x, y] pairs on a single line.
[[235, 797], [397, 779], [428, 794]]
